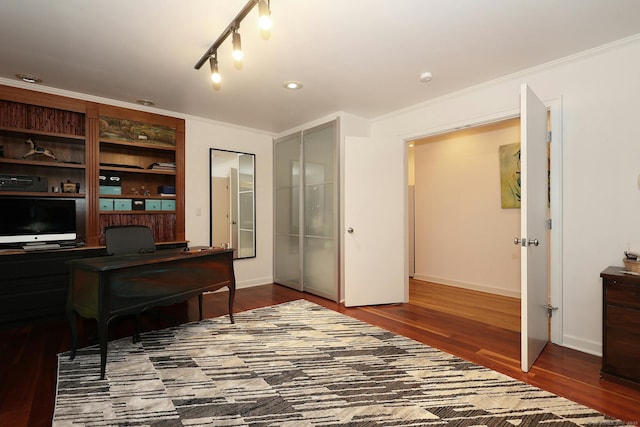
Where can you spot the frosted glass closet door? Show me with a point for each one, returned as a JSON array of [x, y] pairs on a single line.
[[320, 247], [287, 264]]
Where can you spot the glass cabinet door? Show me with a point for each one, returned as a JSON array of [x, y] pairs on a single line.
[[320, 248], [287, 268], [306, 211]]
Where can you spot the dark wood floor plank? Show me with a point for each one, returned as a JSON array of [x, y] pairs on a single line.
[[28, 361]]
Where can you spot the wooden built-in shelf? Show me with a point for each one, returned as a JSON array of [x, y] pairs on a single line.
[[137, 170], [136, 196], [90, 139], [40, 163], [139, 144], [42, 194], [140, 212], [20, 132]]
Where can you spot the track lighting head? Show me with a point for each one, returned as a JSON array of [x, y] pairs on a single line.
[[237, 47], [265, 15], [216, 79]]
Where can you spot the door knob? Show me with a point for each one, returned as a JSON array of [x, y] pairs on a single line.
[[350, 230], [525, 242]]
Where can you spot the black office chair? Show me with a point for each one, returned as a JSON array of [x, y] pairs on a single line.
[[129, 239], [132, 239]]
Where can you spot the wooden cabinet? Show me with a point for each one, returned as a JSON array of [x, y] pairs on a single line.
[[43, 139], [59, 140], [35, 285], [53, 140], [145, 152], [620, 325]]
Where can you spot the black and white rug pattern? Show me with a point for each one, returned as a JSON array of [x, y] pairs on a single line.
[[295, 364]]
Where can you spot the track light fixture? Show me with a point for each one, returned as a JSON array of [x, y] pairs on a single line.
[[237, 46], [265, 15], [215, 75], [232, 30]]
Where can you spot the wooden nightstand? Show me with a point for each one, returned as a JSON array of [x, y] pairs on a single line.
[[620, 325]]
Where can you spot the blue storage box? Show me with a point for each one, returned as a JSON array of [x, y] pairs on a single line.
[[166, 189], [106, 204], [122, 205], [152, 204], [168, 205], [110, 190]]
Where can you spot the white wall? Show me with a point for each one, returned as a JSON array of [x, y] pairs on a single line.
[[200, 136], [600, 93], [462, 233]]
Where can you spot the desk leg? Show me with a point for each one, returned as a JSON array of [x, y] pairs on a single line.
[[200, 305], [232, 295], [103, 329], [72, 316]]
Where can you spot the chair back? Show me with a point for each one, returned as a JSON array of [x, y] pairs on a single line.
[[129, 239]]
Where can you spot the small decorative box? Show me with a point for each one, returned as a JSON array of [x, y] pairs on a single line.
[[152, 204], [168, 205], [110, 190], [137, 204], [122, 205], [106, 204], [109, 179], [166, 189]]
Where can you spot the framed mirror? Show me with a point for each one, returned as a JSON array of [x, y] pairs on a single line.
[[233, 201]]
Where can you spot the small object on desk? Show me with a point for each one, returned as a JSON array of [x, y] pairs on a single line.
[[198, 248], [633, 273], [29, 247]]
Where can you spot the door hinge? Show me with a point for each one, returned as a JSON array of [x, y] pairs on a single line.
[[549, 136], [549, 224], [550, 310]]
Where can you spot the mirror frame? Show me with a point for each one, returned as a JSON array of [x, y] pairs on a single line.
[[236, 252]]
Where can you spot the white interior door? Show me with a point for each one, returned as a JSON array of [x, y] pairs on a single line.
[[534, 211], [375, 242]]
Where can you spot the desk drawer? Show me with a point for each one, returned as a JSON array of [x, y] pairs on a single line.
[[622, 356], [622, 294], [624, 319]]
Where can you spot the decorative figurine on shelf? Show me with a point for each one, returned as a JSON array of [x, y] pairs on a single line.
[[70, 187], [145, 191], [38, 150]]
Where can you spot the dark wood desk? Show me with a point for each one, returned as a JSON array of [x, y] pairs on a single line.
[[106, 287], [620, 326]]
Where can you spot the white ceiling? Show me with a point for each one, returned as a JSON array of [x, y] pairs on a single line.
[[363, 57]]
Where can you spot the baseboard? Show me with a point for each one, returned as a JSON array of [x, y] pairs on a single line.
[[589, 347], [254, 282], [249, 284], [471, 286]]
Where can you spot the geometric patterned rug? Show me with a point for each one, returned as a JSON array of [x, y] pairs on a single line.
[[295, 364]]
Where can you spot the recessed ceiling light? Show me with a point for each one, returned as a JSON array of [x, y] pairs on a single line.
[[145, 102], [426, 76], [292, 85], [27, 78]]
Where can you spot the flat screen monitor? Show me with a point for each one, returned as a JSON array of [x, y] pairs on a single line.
[[25, 220]]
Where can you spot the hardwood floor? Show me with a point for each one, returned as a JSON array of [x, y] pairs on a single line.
[[481, 328]]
